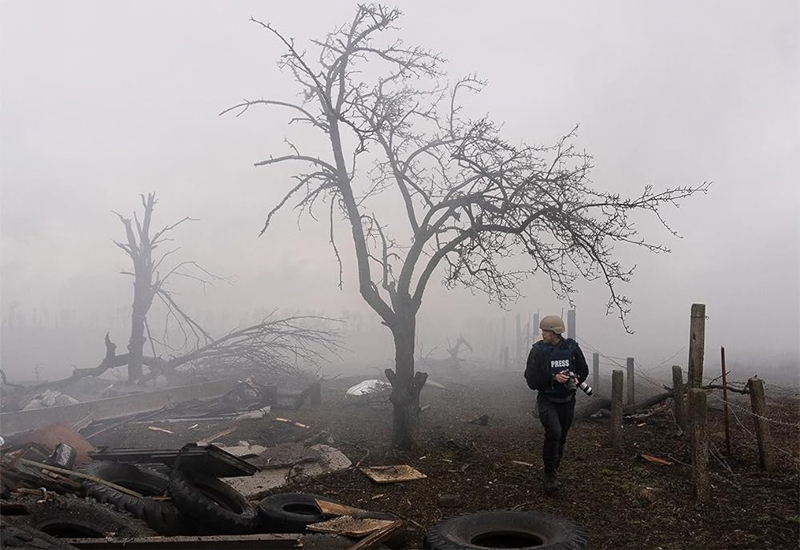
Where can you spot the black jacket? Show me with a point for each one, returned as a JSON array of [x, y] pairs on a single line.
[[537, 371]]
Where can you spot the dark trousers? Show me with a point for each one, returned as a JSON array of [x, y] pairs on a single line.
[[556, 418]]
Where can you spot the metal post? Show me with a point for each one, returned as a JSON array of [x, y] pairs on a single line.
[[725, 401], [596, 370], [697, 342]]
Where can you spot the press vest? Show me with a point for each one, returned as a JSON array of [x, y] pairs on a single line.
[[559, 359]]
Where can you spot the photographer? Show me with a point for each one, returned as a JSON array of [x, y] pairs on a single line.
[[552, 368]]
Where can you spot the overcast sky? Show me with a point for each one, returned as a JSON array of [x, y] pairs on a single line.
[[101, 101]]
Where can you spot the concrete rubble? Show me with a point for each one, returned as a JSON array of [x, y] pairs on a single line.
[[311, 461]]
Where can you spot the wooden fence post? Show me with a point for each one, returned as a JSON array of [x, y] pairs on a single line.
[[528, 340], [766, 455], [697, 342], [677, 396], [616, 410], [596, 371], [631, 394], [699, 444], [571, 330]]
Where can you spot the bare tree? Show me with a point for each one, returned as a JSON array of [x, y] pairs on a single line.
[[148, 283], [275, 345], [471, 199]]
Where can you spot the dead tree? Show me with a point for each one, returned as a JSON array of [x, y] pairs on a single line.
[[140, 246], [275, 346], [450, 363], [471, 199]]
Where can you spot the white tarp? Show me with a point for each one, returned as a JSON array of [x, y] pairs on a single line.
[[368, 386], [49, 399]]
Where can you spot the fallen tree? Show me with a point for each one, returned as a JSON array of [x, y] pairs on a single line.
[[274, 346], [600, 403]]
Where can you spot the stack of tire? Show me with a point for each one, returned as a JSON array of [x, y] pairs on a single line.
[[160, 515], [215, 508], [181, 503], [54, 517]]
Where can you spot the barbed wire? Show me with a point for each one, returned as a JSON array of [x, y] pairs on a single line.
[[794, 392], [791, 457], [644, 372], [637, 370], [711, 472], [756, 415], [668, 360]]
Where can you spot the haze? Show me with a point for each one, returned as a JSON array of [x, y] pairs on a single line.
[[102, 101]]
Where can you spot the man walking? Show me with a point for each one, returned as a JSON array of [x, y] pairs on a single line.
[[555, 368]]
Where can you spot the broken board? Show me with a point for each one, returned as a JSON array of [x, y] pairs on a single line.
[[393, 474], [349, 526]]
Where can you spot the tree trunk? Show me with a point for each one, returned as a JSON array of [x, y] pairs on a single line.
[[142, 299], [406, 384]]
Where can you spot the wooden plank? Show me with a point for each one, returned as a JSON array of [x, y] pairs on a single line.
[[393, 474], [348, 526], [379, 536], [335, 509], [112, 407]]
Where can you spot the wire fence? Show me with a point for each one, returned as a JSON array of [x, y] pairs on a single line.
[[645, 372], [733, 407]]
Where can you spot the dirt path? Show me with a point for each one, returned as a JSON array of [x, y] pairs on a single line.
[[625, 501]]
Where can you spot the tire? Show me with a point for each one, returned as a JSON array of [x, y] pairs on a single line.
[[22, 536], [77, 518], [163, 517], [518, 530], [330, 542], [290, 512], [294, 512], [213, 503]]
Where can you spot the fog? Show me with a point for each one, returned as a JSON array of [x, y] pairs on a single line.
[[102, 101]]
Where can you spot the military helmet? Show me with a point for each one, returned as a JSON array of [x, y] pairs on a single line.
[[552, 323]]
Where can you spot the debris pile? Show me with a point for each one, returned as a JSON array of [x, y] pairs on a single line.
[[60, 491]]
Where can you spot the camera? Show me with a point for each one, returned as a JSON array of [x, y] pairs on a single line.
[[587, 389]]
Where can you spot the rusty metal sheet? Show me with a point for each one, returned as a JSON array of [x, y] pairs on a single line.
[[50, 436]]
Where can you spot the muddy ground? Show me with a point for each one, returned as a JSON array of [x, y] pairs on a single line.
[[626, 502]]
